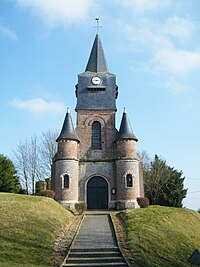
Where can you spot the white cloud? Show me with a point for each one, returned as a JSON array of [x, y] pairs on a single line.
[[144, 5], [38, 105], [179, 27], [163, 45], [6, 32], [152, 34], [176, 61], [59, 12]]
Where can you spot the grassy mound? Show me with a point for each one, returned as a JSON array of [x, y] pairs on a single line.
[[28, 226], [162, 236]]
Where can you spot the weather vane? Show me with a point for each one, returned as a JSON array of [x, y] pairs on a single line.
[[97, 26]]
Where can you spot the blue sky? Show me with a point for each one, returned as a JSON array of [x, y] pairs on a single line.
[[152, 46]]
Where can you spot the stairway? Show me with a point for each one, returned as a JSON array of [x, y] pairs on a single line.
[[95, 244], [95, 257]]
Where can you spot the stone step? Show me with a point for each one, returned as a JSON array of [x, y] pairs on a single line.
[[95, 246], [95, 257], [95, 260], [120, 264], [109, 249], [88, 254]]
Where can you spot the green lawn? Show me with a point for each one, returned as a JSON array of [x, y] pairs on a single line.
[[162, 236], [28, 226]]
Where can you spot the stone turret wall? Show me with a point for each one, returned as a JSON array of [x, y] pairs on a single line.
[[67, 196], [125, 167], [66, 163], [127, 164]]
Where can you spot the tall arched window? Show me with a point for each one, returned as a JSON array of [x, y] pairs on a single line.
[[66, 181], [96, 135], [129, 180]]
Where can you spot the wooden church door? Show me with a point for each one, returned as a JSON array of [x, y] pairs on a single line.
[[97, 193]]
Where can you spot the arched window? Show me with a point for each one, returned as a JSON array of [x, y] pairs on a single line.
[[129, 180], [96, 135], [66, 181]]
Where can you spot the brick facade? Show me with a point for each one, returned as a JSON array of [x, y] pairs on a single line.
[[85, 119]]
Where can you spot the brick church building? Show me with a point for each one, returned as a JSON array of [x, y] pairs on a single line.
[[95, 163]]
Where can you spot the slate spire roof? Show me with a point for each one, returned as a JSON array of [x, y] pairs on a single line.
[[68, 132], [125, 131], [97, 61]]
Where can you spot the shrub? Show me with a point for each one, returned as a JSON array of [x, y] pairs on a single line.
[[22, 191], [48, 193], [80, 207], [39, 187], [143, 202]]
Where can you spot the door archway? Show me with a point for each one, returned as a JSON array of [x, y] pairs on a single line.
[[97, 193]]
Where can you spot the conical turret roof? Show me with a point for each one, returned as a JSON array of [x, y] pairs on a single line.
[[97, 61], [68, 132], [125, 131]]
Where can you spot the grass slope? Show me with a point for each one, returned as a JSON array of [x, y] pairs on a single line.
[[162, 236], [28, 225]]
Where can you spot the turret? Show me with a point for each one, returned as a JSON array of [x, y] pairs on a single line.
[[126, 140], [127, 166], [66, 165], [67, 140]]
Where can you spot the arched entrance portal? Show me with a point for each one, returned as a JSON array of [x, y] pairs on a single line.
[[97, 193]]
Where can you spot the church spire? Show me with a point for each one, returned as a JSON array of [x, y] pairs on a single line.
[[68, 132], [97, 61], [125, 131]]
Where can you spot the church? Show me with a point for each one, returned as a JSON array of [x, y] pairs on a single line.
[[95, 163]]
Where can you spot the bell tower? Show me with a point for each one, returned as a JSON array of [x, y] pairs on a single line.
[[96, 88], [96, 94]]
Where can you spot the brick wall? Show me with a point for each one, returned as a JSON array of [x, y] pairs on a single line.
[[67, 149], [126, 149], [85, 119]]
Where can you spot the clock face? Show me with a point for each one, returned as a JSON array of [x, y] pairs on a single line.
[[96, 80]]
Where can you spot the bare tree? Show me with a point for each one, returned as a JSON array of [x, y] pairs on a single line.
[[33, 162], [33, 159], [47, 150], [145, 160], [21, 163], [27, 163]]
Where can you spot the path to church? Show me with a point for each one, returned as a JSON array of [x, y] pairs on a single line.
[[95, 244]]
